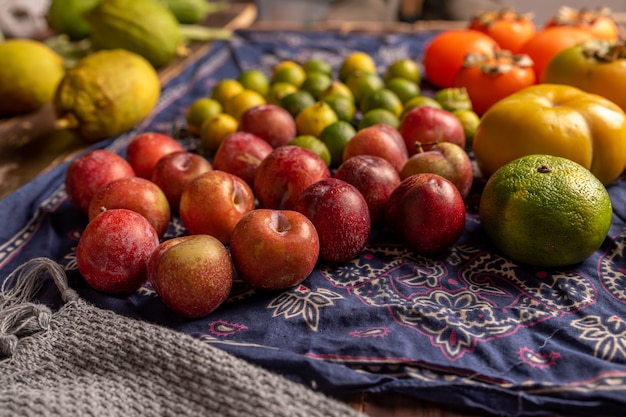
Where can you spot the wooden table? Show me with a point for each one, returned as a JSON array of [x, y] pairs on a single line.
[[29, 146]]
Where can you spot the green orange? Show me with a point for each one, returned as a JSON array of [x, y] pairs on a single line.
[[545, 211]]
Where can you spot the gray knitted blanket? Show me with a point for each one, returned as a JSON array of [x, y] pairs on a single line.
[[85, 361]]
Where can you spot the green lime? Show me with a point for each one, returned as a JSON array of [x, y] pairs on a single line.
[[317, 65], [278, 91], [356, 62], [403, 68], [254, 80], [469, 120], [335, 136], [404, 89], [314, 118], [237, 105], [419, 101], [545, 211], [225, 89], [344, 108], [200, 110], [337, 88], [363, 84], [382, 99], [289, 72], [377, 116], [215, 129], [314, 145], [295, 102], [316, 82]]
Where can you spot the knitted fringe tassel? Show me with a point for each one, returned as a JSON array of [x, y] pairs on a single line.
[[19, 317]]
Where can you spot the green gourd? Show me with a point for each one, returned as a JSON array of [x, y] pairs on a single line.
[[145, 27], [193, 11]]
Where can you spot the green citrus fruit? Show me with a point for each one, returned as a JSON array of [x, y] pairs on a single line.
[[356, 62], [335, 136], [314, 118], [280, 90], [404, 89], [238, 104], [314, 145], [419, 101], [469, 120], [382, 99], [225, 89], [403, 68], [337, 88], [215, 129], [377, 116], [344, 108], [289, 72], [200, 110], [545, 211], [294, 103], [315, 83], [363, 84], [318, 65], [254, 80]]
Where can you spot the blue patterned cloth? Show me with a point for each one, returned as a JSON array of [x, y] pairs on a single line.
[[470, 329]]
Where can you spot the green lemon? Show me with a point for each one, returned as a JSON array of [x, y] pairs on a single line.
[[314, 145], [335, 136], [545, 211]]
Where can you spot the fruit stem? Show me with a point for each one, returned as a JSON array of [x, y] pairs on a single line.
[[67, 122], [420, 146], [199, 33]]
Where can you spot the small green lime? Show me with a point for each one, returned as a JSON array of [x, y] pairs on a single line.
[[318, 65], [337, 88], [382, 99], [316, 82], [313, 144], [377, 116], [335, 136], [419, 101], [255, 80], [278, 91], [363, 84], [404, 89], [403, 68], [289, 72], [294, 103], [344, 108], [469, 120], [200, 110]]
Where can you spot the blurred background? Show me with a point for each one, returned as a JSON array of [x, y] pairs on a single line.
[[25, 18]]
